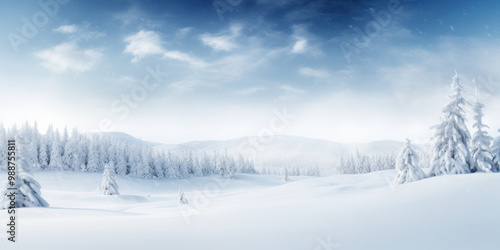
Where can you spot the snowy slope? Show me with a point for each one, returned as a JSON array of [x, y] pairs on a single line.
[[261, 212]]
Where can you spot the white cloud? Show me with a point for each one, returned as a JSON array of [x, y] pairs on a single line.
[[225, 41], [142, 44], [318, 73], [69, 57], [66, 29], [300, 46]]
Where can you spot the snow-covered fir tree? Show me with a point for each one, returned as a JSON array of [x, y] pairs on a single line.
[[71, 154], [121, 161], [43, 156], [28, 189], [93, 158], [482, 157], [285, 175], [145, 168], [64, 140], [55, 155], [108, 184], [89, 153], [182, 198], [407, 166], [359, 163], [495, 150], [451, 138]]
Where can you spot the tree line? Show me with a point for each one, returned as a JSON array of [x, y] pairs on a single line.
[[91, 152]]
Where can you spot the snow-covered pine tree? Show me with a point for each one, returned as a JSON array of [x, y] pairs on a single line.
[[206, 165], [407, 165], [231, 167], [104, 149], [63, 141], [121, 162], [189, 162], [55, 155], [182, 198], [482, 157], [285, 175], [30, 149], [181, 167], [43, 159], [451, 146], [93, 158], [83, 151], [495, 150], [158, 166], [71, 158], [135, 159], [36, 144], [28, 189], [108, 184], [198, 166], [145, 170]]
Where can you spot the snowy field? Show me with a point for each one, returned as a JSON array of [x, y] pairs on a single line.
[[262, 212]]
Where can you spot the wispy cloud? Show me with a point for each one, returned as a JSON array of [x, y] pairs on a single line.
[[223, 41], [78, 32], [318, 73], [148, 43], [66, 29], [304, 42], [69, 57], [183, 32]]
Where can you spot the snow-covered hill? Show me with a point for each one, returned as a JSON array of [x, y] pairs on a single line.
[[124, 137], [262, 212], [287, 144], [290, 149]]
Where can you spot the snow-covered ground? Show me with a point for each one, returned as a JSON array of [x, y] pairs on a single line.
[[262, 212]]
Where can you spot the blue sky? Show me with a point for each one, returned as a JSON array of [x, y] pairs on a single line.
[[175, 71]]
